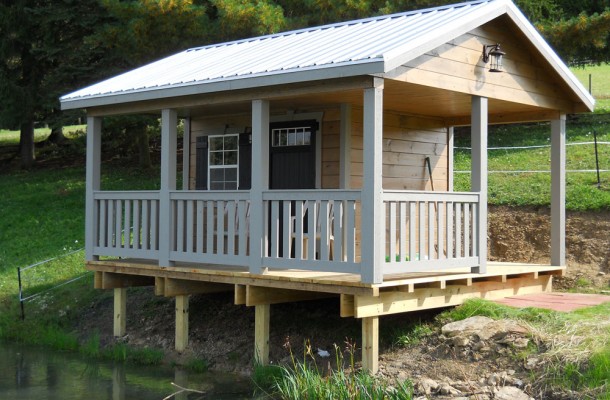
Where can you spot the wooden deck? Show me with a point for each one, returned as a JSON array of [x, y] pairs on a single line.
[[399, 293]]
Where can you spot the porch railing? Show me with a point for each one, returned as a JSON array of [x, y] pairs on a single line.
[[430, 230], [127, 224], [311, 230], [315, 230], [210, 227]]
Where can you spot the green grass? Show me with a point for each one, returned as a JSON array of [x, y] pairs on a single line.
[[600, 84], [11, 137], [534, 188], [304, 380]]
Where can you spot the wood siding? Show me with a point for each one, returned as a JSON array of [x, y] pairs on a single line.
[[458, 66]]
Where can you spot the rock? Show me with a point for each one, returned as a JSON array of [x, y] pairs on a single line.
[[511, 393], [521, 343], [445, 389], [531, 363], [468, 325], [493, 380], [460, 341], [427, 386]]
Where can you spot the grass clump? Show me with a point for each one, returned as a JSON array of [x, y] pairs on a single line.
[[304, 380]]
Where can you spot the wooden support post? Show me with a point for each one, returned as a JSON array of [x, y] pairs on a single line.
[[169, 121], [182, 323], [260, 182], [450, 144], [92, 184], [370, 344], [262, 315], [479, 175], [120, 311], [372, 189], [558, 191]]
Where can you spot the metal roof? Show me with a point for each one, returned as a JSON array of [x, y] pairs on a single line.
[[367, 46]]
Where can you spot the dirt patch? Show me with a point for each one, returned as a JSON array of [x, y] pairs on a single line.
[[223, 333]]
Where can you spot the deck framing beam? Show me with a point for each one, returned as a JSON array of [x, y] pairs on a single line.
[[395, 302]]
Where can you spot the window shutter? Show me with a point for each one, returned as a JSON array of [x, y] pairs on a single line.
[[201, 164], [245, 161]]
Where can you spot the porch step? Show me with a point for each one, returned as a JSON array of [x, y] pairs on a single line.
[[564, 302]]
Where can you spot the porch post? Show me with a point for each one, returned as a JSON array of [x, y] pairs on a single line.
[[479, 175], [558, 191], [373, 223], [169, 120], [186, 154], [92, 184], [260, 182], [345, 146]]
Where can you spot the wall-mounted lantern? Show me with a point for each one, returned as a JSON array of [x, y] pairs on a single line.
[[493, 53]]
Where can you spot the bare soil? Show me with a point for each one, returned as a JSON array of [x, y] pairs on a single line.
[[223, 333]]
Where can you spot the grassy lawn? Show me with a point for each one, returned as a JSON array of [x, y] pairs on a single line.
[[535, 188], [600, 84], [8, 137]]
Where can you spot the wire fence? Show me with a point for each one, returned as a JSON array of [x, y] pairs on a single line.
[[597, 170], [30, 281]]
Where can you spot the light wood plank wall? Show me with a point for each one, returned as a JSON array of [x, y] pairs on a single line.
[[457, 66]]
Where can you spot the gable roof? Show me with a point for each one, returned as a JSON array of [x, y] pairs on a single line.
[[369, 46]]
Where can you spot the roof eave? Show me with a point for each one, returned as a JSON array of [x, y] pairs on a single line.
[[368, 67]]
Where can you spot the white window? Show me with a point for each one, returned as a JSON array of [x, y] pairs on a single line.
[[223, 156], [299, 136]]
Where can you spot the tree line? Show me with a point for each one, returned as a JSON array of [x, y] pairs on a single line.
[[51, 47]]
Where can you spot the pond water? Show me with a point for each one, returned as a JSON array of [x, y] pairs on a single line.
[[38, 373]]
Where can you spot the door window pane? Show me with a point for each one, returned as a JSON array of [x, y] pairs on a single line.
[[224, 160]]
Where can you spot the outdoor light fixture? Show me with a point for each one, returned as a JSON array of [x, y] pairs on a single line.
[[496, 54]]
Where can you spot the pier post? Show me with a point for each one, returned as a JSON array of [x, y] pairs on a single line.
[[120, 311], [262, 315], [370, 344], [182, 322]]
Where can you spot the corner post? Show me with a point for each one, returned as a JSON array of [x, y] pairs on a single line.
[[169, 121], [260, 183], [479, 175], [372, 188], [262, 316], [558, 191], [120, 311], [92, 184]]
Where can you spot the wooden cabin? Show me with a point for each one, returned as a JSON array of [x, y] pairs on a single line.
[[318, 162]]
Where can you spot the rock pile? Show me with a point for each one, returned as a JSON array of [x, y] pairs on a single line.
[[474, 339]]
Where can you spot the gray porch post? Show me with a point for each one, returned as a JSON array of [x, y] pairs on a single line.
[[558, 191], [479, 175], [186, 154], [169, 121], [260, 182], [345, 146], [92, 184], [373, 223]]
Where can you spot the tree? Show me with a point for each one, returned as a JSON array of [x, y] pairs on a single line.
[[44, 53]]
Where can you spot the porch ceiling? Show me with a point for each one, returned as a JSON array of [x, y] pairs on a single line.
[[408, 98]]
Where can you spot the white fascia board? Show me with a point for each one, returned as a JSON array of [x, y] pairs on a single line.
[[549, 54], [440, 36], [315, 73]]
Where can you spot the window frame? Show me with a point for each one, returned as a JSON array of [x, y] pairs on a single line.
[[223, 166]]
